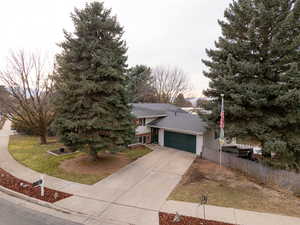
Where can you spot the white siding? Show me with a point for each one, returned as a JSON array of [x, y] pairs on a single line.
[[144, 129], [161, 135], [199, 144]]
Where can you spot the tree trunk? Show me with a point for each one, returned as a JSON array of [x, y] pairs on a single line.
[[43, 134], [93, 153], [43, 139]]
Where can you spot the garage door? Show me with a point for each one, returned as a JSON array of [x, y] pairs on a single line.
[[185, 142]]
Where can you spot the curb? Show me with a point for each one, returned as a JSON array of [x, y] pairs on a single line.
[[36, 201]]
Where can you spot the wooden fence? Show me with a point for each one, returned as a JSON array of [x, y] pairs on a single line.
[[284, 179]]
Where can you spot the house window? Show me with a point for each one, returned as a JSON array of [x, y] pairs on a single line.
[[142, 122], [140, 139]]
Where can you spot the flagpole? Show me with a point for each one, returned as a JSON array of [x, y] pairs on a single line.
[[221, 139]]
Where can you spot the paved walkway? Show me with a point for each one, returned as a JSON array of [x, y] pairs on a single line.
[[136, 193]]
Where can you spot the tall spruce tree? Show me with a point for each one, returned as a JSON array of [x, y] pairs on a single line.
[[139, 84], [256, 65], [91, 102]]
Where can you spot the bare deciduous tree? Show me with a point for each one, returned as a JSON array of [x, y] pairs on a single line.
[[29, 87], [169, 83]]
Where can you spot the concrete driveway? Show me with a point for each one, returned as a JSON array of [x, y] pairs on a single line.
[[138, 190]]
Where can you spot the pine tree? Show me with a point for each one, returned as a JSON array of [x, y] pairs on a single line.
[[92, 107], [139, 84], [181, 102], [256, 65]]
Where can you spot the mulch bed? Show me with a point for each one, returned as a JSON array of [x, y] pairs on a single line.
[[167, 219], [15, 184]]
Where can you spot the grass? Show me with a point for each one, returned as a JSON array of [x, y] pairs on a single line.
[[28, 151], [134, 154], [229, 188]]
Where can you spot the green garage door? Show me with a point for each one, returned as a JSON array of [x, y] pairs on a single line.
[[185, 142]]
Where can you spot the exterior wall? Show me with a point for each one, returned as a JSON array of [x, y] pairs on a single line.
[[199, 144], [161, 135], [148, 137], [199, 140], [210, 141], [144, 129]]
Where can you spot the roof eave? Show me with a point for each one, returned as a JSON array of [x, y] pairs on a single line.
[[179, 130], [151, 116]]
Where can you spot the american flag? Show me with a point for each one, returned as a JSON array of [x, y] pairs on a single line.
[[222, 120]]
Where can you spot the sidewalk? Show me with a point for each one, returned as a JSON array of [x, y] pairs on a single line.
[[135, 194], [228, 215]]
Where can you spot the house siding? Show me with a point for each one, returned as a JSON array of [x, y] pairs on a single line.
[[199, 144], [144, 129], [161, 136]]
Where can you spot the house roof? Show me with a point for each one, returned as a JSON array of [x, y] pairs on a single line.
[[171, 117], [144, 111], [181, 122]]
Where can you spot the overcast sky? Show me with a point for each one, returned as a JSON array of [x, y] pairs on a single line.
[[158, 32]]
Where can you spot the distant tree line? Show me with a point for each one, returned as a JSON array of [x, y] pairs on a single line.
[[157, 85]]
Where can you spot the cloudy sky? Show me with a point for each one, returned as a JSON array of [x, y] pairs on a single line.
[[158, 32]]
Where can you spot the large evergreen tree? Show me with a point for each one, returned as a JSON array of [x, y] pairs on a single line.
[[91, 100], [256, 65], [139, 84]]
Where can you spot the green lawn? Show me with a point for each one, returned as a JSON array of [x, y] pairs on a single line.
[[28, 151]]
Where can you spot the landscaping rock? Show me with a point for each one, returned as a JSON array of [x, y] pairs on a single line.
[[15, 184], [168, 219]]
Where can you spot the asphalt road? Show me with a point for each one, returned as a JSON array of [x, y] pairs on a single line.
[[12, 214]]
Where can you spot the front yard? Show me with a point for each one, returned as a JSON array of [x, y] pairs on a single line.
[[75, 167], [229, 188]]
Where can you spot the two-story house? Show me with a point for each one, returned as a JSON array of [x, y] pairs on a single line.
[[170, 126]]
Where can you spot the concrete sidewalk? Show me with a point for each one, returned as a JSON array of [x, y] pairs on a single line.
[[134, 194], [228, 215]]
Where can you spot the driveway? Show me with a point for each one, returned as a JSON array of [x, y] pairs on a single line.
[[138, 190]]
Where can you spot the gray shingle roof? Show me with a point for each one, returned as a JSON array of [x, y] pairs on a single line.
[[172, 117], [143, 112], [181, 122]]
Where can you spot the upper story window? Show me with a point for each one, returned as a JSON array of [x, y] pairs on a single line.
[[142, 122]]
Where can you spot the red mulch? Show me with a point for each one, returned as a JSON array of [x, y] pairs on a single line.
[[167, 219], [13, 183]]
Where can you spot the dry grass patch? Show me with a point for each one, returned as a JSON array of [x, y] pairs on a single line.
[[229, 188]]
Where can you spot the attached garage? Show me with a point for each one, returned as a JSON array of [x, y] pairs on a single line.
[[185, 142]]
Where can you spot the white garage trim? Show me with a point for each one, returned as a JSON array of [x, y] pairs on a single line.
[[161, 137], [199, 139], [199, 144], [179, 130]]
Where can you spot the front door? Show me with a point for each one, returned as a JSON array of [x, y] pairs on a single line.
[[154, 135]]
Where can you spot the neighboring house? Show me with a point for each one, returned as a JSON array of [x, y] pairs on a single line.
[[170, 126]]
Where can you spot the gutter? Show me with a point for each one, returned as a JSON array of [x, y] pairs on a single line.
[[178, 130], [141, 117]]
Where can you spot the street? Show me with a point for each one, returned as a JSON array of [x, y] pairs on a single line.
[[14, 214]]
